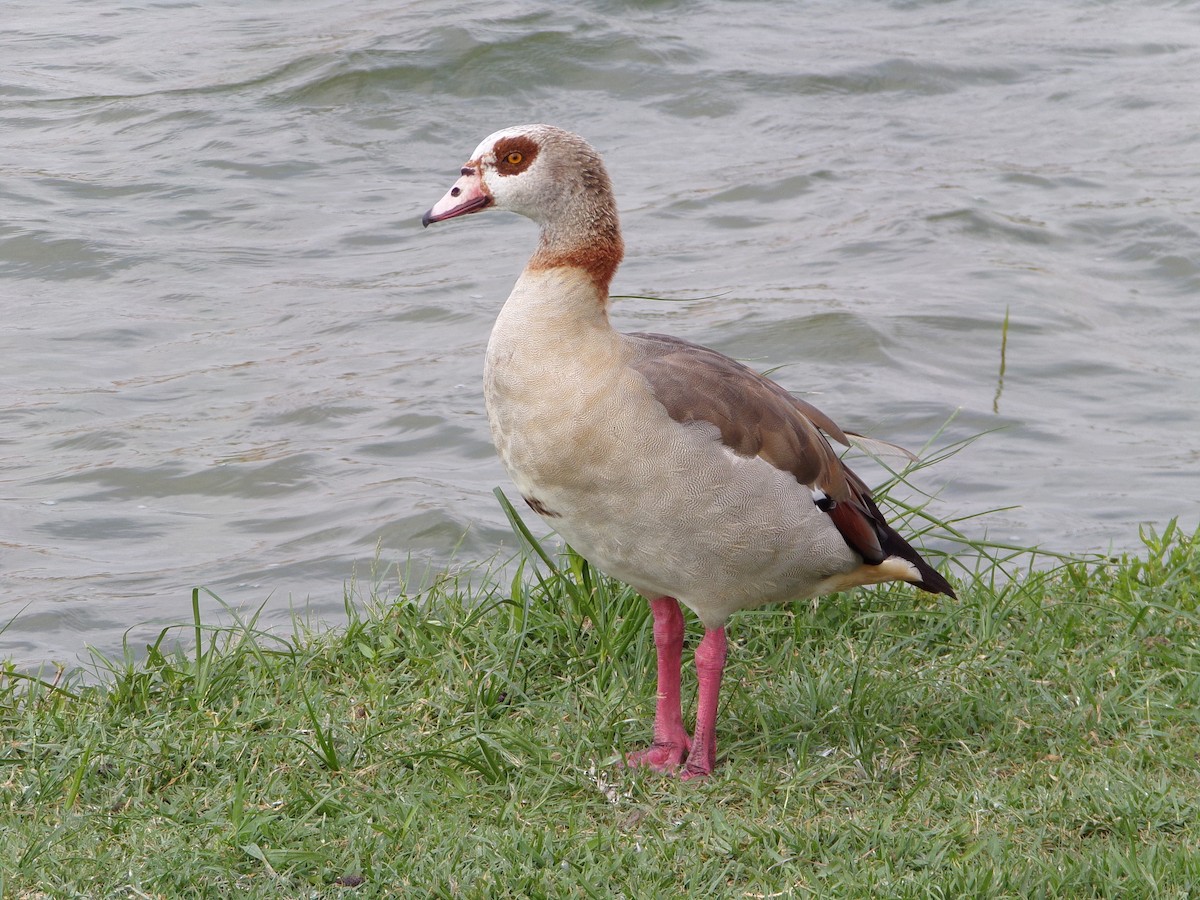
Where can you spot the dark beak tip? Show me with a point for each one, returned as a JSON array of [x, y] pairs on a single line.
[[427, 219]]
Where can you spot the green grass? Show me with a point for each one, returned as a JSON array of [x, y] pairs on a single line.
[[1037, 738]]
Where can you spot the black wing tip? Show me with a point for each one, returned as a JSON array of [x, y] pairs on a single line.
[[933, 581]]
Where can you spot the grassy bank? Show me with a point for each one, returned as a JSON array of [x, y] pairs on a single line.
[[1037, 738]]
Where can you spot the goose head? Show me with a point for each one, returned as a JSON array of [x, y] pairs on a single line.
[[548, 175]]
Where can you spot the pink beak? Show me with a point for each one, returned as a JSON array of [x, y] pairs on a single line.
[[467, 196]]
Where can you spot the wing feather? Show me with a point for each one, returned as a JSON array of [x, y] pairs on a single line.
[[757, 417]]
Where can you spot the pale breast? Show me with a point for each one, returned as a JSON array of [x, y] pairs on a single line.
[[662, 506]]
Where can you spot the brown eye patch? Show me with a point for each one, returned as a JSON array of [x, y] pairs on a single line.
[[515, 154]]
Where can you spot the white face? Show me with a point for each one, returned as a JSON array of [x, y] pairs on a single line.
[[487, 147], [515, 171], [508, 170]]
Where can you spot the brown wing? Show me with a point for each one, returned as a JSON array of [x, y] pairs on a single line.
[[757, 417]]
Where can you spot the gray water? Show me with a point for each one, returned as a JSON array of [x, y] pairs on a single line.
[[231, 357]]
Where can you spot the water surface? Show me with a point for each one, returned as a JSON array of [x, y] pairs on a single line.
[[231, 357]]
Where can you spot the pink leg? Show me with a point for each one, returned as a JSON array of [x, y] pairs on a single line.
[[710, 665], [671, 741]]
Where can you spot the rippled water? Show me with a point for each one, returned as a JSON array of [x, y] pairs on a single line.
[[230, 356]]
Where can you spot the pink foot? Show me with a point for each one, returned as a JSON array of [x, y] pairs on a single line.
[[672, 746], [666, 756], [671, 741], [710, 666]]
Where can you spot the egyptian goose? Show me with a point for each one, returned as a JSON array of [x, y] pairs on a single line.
[[665, 464]]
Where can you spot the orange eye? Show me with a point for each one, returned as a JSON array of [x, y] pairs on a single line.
[[515, 158]]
